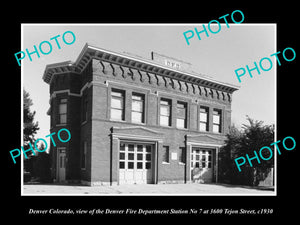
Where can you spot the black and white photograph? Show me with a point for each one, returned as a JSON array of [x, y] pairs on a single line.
[[148, 114]]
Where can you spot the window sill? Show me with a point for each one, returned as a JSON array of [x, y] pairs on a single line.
[[138, 123], [181, 163], [115, 120], [182, 128], [165, 126], [166, 163]]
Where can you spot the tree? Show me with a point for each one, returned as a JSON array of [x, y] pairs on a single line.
[[251, 138], [29, 126], [29, 130], [41, 165]]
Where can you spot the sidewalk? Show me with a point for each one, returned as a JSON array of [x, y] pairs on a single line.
[[145, 189]]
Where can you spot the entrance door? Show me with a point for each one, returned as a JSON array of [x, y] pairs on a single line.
[[135, 163], [61, 164], [201, 165]]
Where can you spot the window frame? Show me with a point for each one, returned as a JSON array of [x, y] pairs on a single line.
[[179, 117], [217, 112], [207, 118], [63, 101], [169, 116], [122, 99], [142, 101]]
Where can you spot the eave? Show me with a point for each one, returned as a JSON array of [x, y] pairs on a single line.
[[90, 52]]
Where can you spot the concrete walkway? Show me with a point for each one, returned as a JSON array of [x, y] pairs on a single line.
[[144, 189]]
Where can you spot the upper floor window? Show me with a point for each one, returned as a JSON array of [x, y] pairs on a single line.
[[165, 112], [181, 121], [137, 109], [117, 111], [217, 121], [203, 119], [63, 111]]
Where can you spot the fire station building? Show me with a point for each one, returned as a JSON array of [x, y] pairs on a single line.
[[135, 120]]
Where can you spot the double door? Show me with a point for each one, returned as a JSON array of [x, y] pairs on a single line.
[[201, 165], [135, 163]]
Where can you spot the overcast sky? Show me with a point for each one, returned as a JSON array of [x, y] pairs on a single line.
[[217, 56]]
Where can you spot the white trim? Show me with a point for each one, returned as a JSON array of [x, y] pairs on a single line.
[[136, 137], [202, 144], [87, 85], [206, 135]]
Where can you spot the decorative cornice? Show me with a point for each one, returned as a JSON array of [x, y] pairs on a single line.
[[141, 65]]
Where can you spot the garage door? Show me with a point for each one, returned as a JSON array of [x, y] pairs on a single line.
[[135, 163], [201, 165]]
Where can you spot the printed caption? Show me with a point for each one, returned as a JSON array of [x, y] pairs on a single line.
[[145, 212]]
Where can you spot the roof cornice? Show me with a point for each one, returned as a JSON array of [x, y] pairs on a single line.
[[90, 52]]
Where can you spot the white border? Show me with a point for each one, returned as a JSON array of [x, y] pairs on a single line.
[[149, 24]]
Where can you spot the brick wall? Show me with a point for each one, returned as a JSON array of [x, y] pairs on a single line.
[[94, 84], [107, 76]]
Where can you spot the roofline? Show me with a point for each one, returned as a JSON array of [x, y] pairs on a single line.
[[88, 47]]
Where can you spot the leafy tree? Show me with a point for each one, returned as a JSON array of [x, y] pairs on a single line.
[[252, 137], [29, 130], [29, 126]]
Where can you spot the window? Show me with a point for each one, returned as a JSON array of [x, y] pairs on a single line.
[[165, 112], [63, 111], [182, 155], [117, 105], [165, 154], [203, 119], [137, 109], [181, 115], [83, 156], [217, 120]]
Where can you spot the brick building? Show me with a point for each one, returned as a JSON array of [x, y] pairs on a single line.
[[134, 120]]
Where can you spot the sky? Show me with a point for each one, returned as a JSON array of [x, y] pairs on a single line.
[[217, 56]]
